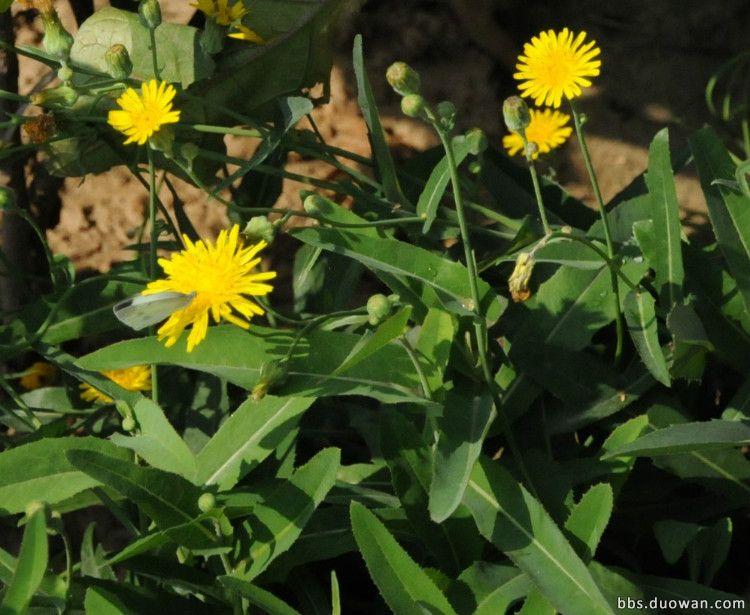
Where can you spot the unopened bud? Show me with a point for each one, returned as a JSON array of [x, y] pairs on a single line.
[[119, 64], [57, 40], [259, 228], [55, 98], [128, 423], [476, 140], [403, 78], [516, 114], [413, 105], [313, 204], [150, 13], [206, 502], [272, 374], [518, 283], [378, 308]]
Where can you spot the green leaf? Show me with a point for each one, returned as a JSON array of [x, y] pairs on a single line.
[[462, 427], [447, 280], [30, 565], [166, 498], [666, 216], [589, 518], [335, 595], [691, 342], [728, 209], [247, 437], [258, 596], [41, 471], [377, 136], [687, 437], [488, 589], [236, 355], [403, 584], [517, 524], [434, 345], [640, 314], [181, 59], [278, 522], [434, 189], [385, 333], [674, 537], [158, 443]]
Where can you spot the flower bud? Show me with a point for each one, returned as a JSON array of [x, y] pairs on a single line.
[[313, 204], [57, 40], [212, 38], [413, 105], [60, 97], [378, 308], [476, 140], [446, 112], [259, 228], [150, 13], [516, 114], [128, 423], [119, 64], [272, 374], [518, 283], [403, 78], [206, 502]]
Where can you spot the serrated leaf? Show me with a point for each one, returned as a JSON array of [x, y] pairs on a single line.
[[640, 315], [589, 519], [403, 584], [434, 345], [485, 588]]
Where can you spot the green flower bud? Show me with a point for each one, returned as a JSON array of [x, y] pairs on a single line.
[[516, 114], [413, 105], [476, 140], [313, 204], [272, 374], [225, 525], [378, 308], [212, 38], [403, 78], [150, 13], [57, 40], [206, 502], [259, 228], [119, 64], [65, 73], [55, 98], [446, 112], [129, 424]]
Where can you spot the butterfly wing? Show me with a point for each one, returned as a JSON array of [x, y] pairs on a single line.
[[142, 311]]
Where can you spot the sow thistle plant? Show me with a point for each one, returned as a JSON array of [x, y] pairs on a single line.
[[463, 392]]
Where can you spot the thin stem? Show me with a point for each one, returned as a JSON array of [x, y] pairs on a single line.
[[538, 195], [605, 222], [154, 59], [152, 260]]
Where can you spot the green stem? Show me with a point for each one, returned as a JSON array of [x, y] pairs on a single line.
[[153, 254], [154, 59], [538, 195], [605, 223]]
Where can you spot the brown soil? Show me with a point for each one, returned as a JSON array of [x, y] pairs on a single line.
[[657, 58]]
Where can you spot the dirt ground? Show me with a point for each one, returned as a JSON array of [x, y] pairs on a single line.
[[657, 57]]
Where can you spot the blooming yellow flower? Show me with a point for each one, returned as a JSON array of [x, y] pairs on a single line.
[[37, 375], [136, 378], [140, 116], [246, 34], [220, 274], [554, 65], [221, 11], [548, 129]]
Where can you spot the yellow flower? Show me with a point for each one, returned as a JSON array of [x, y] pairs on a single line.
[[222, 12], [140, 116], [554, 65], [136, 378], [220, 274], [548, 129], [38, 374], [246, 34]]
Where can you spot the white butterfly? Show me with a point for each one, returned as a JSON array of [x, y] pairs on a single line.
[[141, 311]]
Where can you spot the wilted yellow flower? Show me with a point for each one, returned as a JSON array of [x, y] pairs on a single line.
[[554, 65], [246, 34], [136, 378], [221, 11], [40, 128], [548, 129], [518, 283], [37, 375], [221, 276], [142, 115]]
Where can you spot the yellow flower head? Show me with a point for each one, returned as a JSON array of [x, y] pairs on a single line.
[[246, 34], [38, 374], [136, 378], [554, 65], [221, 275], [221, 11], [141, 115], [548, 129]]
